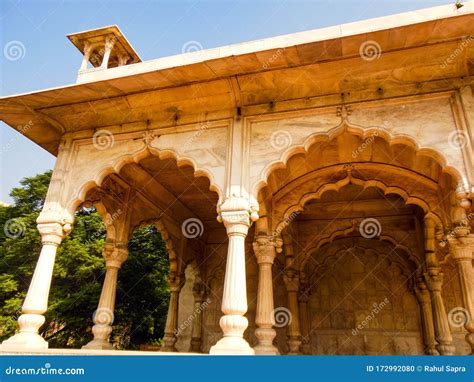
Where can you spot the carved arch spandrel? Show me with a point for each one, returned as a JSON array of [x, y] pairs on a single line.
[[299, 133], [90, 166]]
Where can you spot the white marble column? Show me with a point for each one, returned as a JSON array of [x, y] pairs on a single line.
[[424, 302], [199, 292], [291, 280], [36, 301], [264, 250], [103, 317], [462, 249], [171, 328], [434, 281], [234, 298]]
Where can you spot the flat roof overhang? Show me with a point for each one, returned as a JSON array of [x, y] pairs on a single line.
[[316, 63]]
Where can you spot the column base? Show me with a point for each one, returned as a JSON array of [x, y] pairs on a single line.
[[266, 350], [98, 344], [294, 346], [265, 336], [24, 341], [232, 346], [445, 349]]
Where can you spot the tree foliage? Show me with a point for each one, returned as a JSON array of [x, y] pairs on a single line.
[[142, 295]]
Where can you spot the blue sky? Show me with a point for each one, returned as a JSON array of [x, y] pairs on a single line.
[[155, 29]]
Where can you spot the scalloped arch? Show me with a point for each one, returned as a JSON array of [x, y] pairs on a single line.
[[403, 265], [349, 179], [120, 162], [342, 233], [364, 133]]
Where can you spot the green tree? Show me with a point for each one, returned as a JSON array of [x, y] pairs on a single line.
[[79, 270]]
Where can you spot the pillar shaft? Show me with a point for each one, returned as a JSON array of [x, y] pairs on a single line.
[[462, 249], [434, 281], [304, 323], [424, 302], [171, 327], [265, 253], [104, 315], [234, 298], [36, 301], [196, 332], [294, 333]]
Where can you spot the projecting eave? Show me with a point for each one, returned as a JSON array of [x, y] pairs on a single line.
[[296, 66]]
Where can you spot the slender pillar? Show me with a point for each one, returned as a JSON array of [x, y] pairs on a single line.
[[234, 298], [264, 250], [103, 317], [424, 302], [171, 327], [461, 250], [434, 281], [109, 44], [196, 333], [87, 54], [36, 301], [294, 334], [304, 323]]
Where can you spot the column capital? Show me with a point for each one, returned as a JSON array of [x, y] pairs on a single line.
[[109, 42], [461, 248], [421, 291], [176, 282], [114, 254], [264, 249], [291, 280], [53, 232], [434, 279]]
